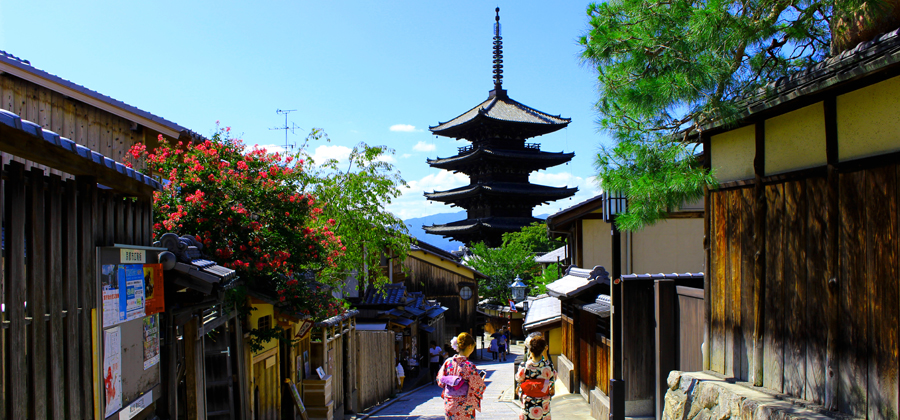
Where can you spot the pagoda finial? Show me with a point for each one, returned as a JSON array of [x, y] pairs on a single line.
[[498, 53]]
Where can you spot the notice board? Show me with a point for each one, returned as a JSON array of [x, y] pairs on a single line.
[[130, 300]]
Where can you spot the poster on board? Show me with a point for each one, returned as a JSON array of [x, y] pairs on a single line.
[[153, 289], [112, 370], [109, 289], [151, 341], [131, 291]]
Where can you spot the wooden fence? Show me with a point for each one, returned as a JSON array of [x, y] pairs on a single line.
[[815, 314], [47, 286], [376, 374]]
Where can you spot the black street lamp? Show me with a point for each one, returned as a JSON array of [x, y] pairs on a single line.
[[614, 203]]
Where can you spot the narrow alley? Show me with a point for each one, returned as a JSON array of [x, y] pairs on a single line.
[[498, 404]]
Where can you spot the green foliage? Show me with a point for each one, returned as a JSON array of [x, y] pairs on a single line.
[[356, 197], [533, 237], [549, 275], [501, 266], [666, 69]]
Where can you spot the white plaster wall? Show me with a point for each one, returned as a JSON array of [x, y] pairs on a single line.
[[796, 140], [732, 154], [868, 120], [670, 246]]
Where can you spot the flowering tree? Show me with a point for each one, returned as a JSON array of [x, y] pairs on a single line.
[[248, 209]]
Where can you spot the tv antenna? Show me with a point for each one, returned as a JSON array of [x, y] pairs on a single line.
[[286, 127]]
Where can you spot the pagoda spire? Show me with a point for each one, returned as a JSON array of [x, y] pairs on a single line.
[[498, 54]]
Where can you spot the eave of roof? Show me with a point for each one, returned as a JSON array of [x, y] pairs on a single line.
[[501, 108], [540, 159], [572, 213], [867, 58], [28, 140], [24, 70], [472, 225], [534, 192]]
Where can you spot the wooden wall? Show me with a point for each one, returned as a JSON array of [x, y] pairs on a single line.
[[376, 362], [442, 285], [84, 124], [829, 252], [46, 346]]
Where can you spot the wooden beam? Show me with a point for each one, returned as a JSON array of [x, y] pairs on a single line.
[[759, 258], [35, 149], [14, 199], [707, 257], [832, 209]]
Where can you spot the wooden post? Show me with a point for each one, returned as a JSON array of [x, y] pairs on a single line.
[[665, 298], [15, 268], [832, 354], [36, 292], [88, 236], [54, 263], [759, 258], [193, 380], [707, 278], [70, 284]]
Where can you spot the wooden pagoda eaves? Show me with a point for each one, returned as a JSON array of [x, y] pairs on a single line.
[[501, 111]]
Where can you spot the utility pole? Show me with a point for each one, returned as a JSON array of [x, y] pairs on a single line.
[[286, 127]]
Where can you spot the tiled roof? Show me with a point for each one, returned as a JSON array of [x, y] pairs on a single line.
[[558, 254], [534, 192], [25, 66], [203, 274], [337, 319], [389, 294], [600, 307], [473, 225], [74, 150], [542, 312], [529, 158], [661, 276], [866, 58], [576, 281], [501, 108], [575, 211]]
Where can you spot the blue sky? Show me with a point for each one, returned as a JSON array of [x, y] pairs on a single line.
[[377, 71]]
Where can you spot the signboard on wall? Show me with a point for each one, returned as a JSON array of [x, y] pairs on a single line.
[[129, 365]]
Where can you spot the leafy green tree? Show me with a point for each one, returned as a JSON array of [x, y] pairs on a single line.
[[501, 266], [533, 237], [355, 195], [666, 69]]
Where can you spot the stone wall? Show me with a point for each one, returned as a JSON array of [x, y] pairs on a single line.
[[702, 395]]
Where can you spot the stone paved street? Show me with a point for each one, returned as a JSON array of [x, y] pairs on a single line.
[[425, 402]]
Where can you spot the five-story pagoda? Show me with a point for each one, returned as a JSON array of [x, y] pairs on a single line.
[[499, 197]]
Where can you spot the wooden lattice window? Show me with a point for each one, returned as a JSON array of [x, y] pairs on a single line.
[[264, 323]]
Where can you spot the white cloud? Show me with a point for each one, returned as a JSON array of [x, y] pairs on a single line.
[[323, 153], [424, 147], [413, 203], [406, 155], [405, 128], [387, 158]]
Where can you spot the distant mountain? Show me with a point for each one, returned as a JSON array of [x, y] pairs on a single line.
[[415, 229]]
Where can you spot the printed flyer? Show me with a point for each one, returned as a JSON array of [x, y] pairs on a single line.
[[131, 293], [109, 288], [151, 341], [112, 370], [153, 289]]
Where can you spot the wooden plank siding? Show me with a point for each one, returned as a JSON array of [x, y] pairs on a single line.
[[807, 222], [84, 124], [51, 230], [442, 285]]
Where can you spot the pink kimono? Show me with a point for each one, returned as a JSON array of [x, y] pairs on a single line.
[[462, 408]]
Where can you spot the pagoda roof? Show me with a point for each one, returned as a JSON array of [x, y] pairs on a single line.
[[473, 226], [499, 108], [533, 191], [538, 159]]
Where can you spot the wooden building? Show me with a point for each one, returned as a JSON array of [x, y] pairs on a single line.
[[442, 277], [674, 245], [803, 235], [545, 316]]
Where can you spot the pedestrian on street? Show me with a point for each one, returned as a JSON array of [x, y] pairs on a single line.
[[501, 346], [463, 386], [493, 349], [401, 375], [535, 382], [434, 361]]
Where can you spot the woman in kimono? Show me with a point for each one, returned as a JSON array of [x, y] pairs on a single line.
[[536, 377], [461, 407]]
